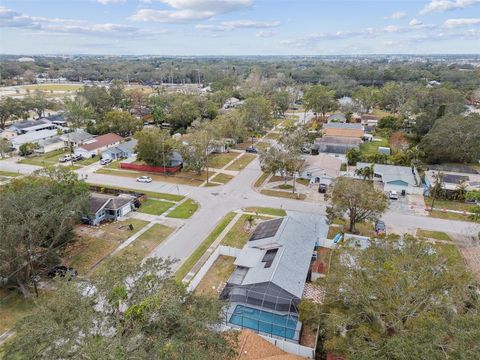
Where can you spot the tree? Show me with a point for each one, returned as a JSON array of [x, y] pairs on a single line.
[[128, 310], [36, 217], [37, 102], [320, 99], [281, 101], [366, 172], [453, 139], [398, 141], [230, 125], [394, 96], [368, 96], [77, 112], [390, 122], [119, 122], [353, 156], [5, 147], [117, 92], [436, 190], [358, 199], [256, 113], [155, 146], [98, 99], [10, 108], [27, 148], [198, 148], [401, 298]]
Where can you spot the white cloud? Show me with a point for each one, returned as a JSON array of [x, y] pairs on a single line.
[[394, 29], [238, 24], [447, 5], [265, 34], [189, 10], [454, 23], [397, 15], [106, 2]]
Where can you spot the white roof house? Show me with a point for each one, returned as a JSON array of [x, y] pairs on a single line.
[[396, 178], [32, 137]]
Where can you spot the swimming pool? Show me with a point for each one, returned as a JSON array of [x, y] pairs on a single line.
[[264, 321]]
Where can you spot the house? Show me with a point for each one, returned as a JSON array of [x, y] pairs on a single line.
[[267, 285], [32, 137], [354, 131], [108, 208], [335, 144], [369, 120], [8, 134], [122, 151], [232, 103], [337, 118], [98, 144], [50, 144], [76, 138], [321, 168], [26, 126], [396, 178], [452, 179]]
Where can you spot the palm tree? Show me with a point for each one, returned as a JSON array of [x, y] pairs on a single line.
[[437, 188]]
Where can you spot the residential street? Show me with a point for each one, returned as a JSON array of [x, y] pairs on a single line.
[[216, 202]]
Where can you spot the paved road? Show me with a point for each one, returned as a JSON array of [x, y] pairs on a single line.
[[215, 202]]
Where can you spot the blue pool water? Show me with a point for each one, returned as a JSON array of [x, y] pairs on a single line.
[[264, 321]]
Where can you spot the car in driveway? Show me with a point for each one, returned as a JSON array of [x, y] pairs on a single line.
[[251, 150], [77, 157], [65, 158], [380, 227], [144, 179], [322, 188], [105, 161], [62, 271], [393, 195]]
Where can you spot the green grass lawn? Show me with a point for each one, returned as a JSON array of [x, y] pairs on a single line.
[[284, 187], [148, 241], [437, 235], [218, 274], [93, 244], [363, 228], [371, 147], [89, 161], [240, 232], [266, 211], [197, 254], [155, 207], [222, 178], [218, 161], [47, 159], [150, 194], [113, 165], [9, 174], [451, 216], [184, 210], [241, 162], [13, 307], [448, 204], [54, 87], [261, 180], [284, 194]]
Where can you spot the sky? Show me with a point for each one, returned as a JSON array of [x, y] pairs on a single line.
[[239, 27]]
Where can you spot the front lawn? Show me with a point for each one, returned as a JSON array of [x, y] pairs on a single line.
[[13, 307], [216, 276], [448, 204], [266, 211], [283, 194], [150, 194], [437, 235], [239, 234], [155, 207], [362, 228], [93, 244], [182, 178], [148, 241], [222, 178], [451, 216], [199, 251], [184, 210], [47, 159], [88, 161], [242, 162], [218, 161]]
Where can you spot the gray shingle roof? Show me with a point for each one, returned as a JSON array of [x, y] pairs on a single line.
[[295, 240], [391, 173]]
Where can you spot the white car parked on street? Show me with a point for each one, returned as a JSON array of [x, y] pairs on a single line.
[[144, 179]]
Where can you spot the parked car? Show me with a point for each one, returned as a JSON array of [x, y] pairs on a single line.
[[322, 188], [77, 157], [144, 179], [251, 150], [65, 158], [393, 195], [62, 271], [380, 227], [105, 161]]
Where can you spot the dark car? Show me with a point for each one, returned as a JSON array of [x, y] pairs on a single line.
[[77, 157], [62, 271], [322, 188], [380, 227], [251, 150]]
